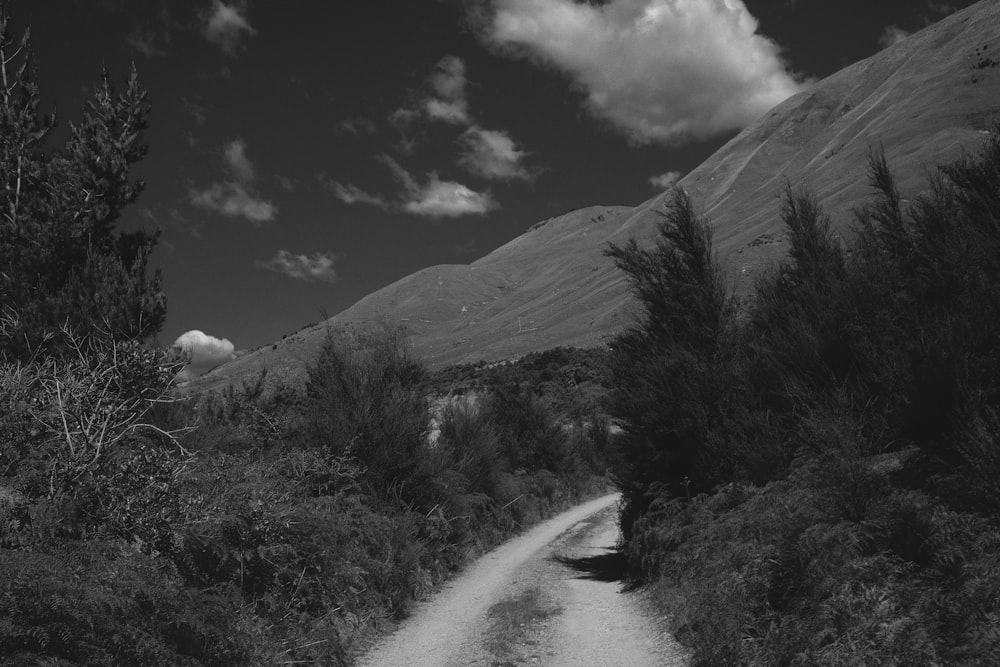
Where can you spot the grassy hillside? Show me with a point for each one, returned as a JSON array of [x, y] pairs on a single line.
[[923, 99]]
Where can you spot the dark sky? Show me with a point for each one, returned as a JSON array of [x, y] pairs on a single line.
[[304, 154]]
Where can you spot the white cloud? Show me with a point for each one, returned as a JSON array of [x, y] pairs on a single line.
[[892, 34], [433, 199], [351, 194], [403, 176], [206, 352], [658, 70], [235, 153], [448, 83], [665, 181], [443, 98], [316, 267], [492, 154], [226, 26], [234, 200], [439, 199], [446, 112], [448, 78]]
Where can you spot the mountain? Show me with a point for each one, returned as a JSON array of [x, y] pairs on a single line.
[[925, 100]]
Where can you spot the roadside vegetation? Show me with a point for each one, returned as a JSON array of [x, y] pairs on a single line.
[[242, 528], [812, 478]]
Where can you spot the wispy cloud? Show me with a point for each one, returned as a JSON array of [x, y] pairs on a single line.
[[665, 181], [357, 126], [658, 70], [198, 112], [352, 194], [233, 200], [150, 36], [226, 26], [448, 104], [236, 197], [433, 198], [892, 34], [436, 198], [143, 40], [492, 154], [235, 153], [317, 267]]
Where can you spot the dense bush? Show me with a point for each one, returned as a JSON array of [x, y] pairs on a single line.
[[138, 527], [843, 432], [330, 509]]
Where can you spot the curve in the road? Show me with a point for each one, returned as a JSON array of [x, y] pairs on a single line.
[[448, 629]]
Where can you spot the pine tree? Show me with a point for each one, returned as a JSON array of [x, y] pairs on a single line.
[[63, 263]]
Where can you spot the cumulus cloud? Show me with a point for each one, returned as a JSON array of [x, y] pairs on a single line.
[[226, 26], [492, 154], [236, 198], [437, 198], [205, 352], [665, 181], [233, 200], [311, 268], [659, 70], [448, 199], [892, 34]]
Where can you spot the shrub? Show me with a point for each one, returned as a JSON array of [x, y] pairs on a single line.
[[852, 440], [363, 399]]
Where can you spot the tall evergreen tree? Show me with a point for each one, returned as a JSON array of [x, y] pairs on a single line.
[[63, 262]]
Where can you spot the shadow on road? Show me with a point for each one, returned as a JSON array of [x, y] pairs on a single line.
[[610, 566]]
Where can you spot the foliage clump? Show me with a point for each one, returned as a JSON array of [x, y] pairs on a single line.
[[64, 263], [813, 480]]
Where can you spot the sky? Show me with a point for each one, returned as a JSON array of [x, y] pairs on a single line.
[[305, 154]]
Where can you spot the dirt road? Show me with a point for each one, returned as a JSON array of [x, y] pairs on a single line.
[[548, 597]]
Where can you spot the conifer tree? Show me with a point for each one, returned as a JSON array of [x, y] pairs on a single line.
[[665, 389], [63, 263]]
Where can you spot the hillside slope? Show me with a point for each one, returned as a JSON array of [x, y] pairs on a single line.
[[925, 100]]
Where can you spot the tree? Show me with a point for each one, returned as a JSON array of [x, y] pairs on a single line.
[[63, 263], [666, 391]]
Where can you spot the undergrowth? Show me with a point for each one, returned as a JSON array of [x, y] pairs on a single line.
[[251, 528]]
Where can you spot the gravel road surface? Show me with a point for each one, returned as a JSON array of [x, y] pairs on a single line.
[[569, 564]]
